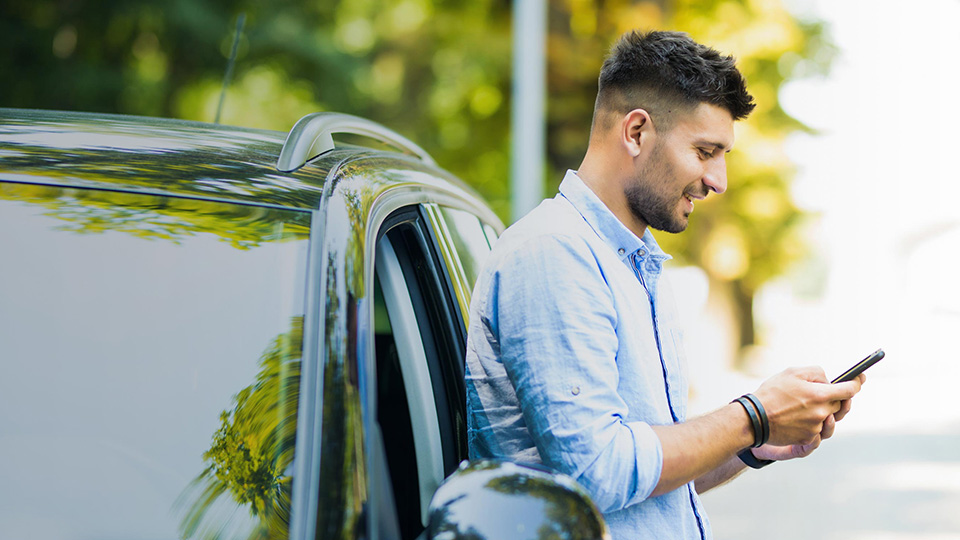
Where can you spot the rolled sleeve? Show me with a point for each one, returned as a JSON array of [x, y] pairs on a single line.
[[560, 344]]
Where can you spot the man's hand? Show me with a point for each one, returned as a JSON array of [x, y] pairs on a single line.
[[800, 404], [802, 407], [827, 426]]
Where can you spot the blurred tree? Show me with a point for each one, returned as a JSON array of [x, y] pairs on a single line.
[[751, 233], [252, 452], [438, 72]]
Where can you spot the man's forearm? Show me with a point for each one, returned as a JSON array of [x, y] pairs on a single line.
[[721, 475], [800, 407], [699, 447]]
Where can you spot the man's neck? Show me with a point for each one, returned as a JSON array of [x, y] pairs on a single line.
[[610, 192]]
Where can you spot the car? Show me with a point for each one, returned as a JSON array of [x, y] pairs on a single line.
[[218, 332]]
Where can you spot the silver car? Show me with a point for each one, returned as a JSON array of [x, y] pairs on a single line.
[[218, 332]]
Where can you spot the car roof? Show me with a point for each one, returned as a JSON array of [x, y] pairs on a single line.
[[180, 158]]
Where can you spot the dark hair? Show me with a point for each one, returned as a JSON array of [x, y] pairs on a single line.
[[664, 71]]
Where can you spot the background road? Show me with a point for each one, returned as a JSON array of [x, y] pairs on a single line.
[[855, 487]]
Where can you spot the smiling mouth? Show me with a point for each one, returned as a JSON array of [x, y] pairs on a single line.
[[690, 197]]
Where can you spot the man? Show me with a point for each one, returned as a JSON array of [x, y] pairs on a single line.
[[574, 359]]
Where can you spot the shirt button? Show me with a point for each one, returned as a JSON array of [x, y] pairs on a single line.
[[621, 251], [575, 390], [642, 253]]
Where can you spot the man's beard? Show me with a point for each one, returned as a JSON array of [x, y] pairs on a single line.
[[656, 209], [647, 196]]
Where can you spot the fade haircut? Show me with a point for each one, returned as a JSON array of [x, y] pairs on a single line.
[[665, 73]]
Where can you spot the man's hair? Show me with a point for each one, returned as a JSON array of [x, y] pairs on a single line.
[[667, 72]]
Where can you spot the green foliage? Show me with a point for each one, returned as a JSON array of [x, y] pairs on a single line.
[[253, 448], [239, 463], [439, 73], [152, 217]]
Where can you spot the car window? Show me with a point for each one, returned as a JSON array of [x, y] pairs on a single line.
[[464, 245], [151, 352], [419, 347], [466, 232]]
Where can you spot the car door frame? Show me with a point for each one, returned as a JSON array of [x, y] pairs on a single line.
[[336, 398]]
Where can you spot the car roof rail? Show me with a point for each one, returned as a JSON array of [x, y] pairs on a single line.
[[312, 135]]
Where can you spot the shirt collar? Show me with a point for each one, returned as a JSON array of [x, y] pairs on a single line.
[[610, 229]]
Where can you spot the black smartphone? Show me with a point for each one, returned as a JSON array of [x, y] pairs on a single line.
[[860, 367]]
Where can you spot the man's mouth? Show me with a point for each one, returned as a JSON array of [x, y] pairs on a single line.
[[690, 197]]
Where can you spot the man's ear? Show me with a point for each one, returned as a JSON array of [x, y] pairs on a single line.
[[636, 129]]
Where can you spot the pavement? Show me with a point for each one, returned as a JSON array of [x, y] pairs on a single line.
[[891, 472], [860, 487]]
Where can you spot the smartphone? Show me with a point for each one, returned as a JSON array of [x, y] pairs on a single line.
[[860, 367]]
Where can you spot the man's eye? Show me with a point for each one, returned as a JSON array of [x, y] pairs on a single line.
[[704, 153]]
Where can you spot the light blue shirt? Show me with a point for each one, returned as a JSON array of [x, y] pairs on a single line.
[[573, 353]]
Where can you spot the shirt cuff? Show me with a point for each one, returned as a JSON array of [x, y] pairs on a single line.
[[628, 471], [649, 460]]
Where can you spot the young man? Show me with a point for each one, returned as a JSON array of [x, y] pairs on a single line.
[[574, 359]]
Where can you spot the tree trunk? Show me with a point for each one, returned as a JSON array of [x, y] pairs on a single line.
[[742, 305]]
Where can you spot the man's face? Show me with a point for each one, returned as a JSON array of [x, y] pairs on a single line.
[[685, 164]]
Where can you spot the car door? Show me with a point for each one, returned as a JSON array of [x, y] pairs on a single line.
[[427, 259]]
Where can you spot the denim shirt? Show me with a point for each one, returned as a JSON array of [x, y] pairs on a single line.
[[573, 353]]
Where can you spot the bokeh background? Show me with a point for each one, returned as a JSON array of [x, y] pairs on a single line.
[[837, 235]]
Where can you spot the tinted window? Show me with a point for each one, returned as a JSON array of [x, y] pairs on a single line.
[[469, 239], [150, 350]]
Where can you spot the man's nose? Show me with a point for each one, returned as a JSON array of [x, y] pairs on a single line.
[[715, 177]]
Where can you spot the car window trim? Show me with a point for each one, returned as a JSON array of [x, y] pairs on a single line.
[[450, 255], [414, 366], [452, 374], [306, 460], [444, 334]]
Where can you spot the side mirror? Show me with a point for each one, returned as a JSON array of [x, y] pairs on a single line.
[[492, 500]]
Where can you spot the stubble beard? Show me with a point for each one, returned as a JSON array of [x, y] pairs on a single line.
[[654, 207]]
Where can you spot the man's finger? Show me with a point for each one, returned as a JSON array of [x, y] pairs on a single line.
[[829, 425], [845, 406], [844, 390], [812, 374], [804, 450]]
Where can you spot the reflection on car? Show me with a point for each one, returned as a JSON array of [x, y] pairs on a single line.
[[219, 332]]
